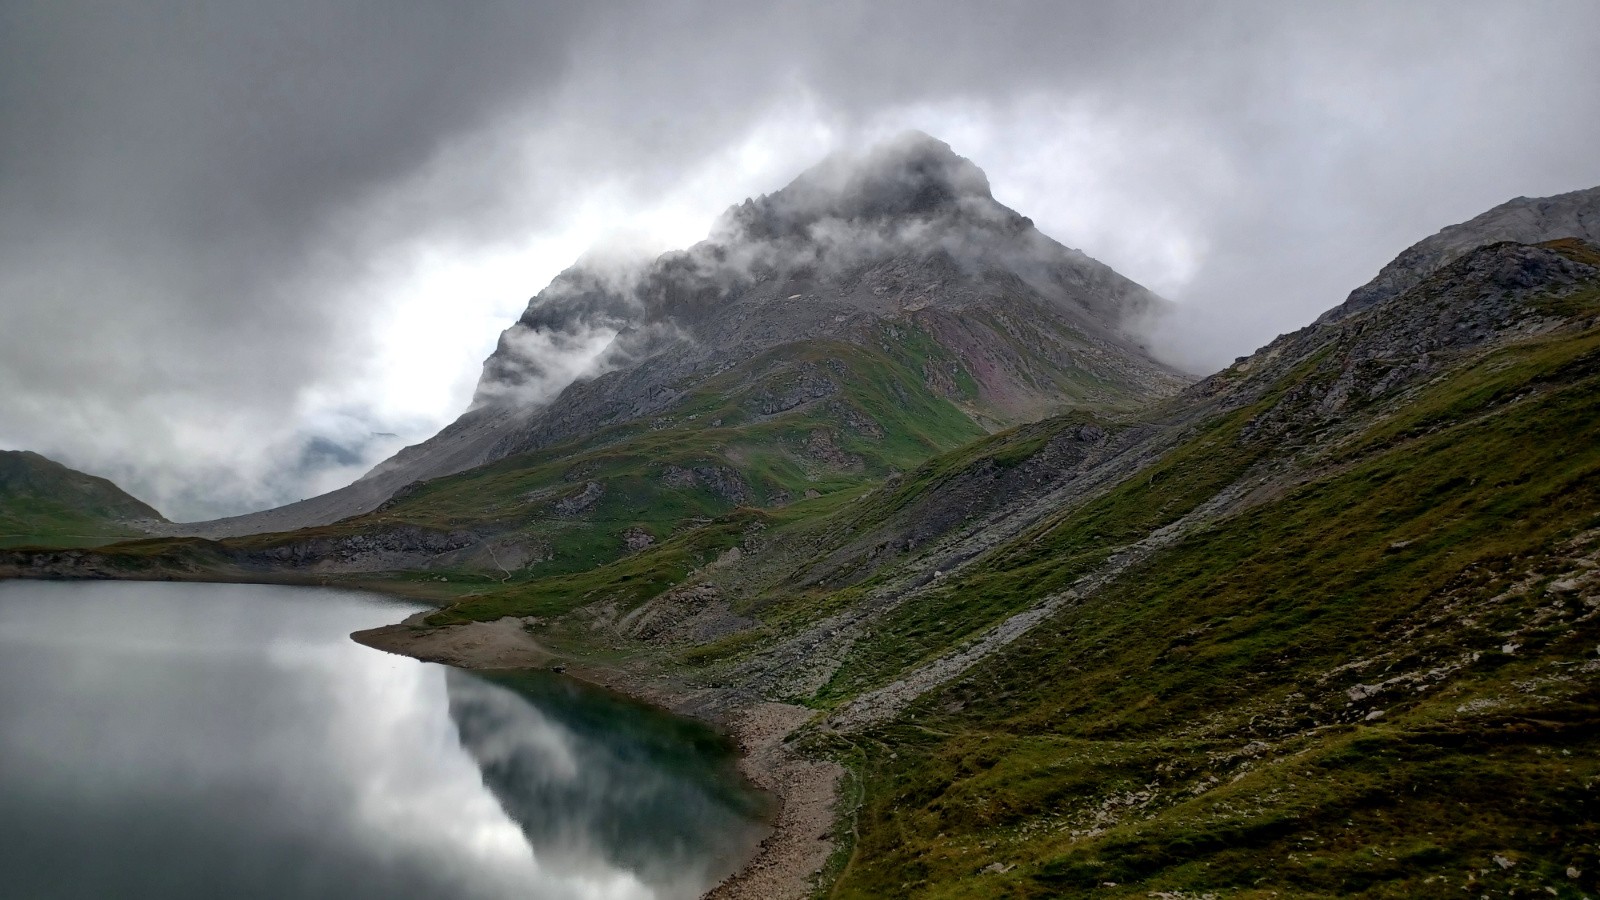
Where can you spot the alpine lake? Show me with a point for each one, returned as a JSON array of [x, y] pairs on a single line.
[[220, 740]]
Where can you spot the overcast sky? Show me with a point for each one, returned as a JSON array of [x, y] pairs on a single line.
[[240, 239]]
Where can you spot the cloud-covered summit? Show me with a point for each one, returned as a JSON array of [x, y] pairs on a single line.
[[233, 232], [910, 198], [912, 175], [900, 239]]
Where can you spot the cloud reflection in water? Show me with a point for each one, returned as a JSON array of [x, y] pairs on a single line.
[[596, 780], [175, 741]]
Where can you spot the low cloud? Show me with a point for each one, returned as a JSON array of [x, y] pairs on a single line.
[[532, 365], [229, 233]]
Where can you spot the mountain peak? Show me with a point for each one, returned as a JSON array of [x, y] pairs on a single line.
[[863, 252], [910, 175]]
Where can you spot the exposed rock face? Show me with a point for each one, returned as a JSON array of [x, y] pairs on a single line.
[[677, 476], [805, 385], [1525, 220], [377, 551], [907, 235], [637, 539], [724, 482], [821, 446], [1478, 299], [581, 501], [401, 547], [694, 614]]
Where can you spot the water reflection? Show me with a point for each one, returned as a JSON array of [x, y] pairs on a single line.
[[592, 777], [162, 740]]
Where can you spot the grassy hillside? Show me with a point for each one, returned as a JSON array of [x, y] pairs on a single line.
[[1328, 624], [45, 503], [639, 505], [1376, 683], [1299, 646]]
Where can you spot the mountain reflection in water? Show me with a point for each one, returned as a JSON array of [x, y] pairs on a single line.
[[590, 776]]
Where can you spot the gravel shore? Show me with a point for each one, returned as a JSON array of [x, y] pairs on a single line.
[[786, 865]]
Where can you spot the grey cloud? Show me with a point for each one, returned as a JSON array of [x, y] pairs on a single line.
[[175, 188], [196, 200], [531, 365]]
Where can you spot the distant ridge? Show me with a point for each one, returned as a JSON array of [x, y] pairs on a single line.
[[44, 502]]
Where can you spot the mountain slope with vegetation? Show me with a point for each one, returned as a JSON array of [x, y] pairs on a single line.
[[1375, 674], [47, 504], [1326, 623]]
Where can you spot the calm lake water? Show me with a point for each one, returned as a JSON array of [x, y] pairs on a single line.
[[183, 740]]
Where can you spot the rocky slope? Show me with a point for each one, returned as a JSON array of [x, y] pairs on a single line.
[[1526, 220], [906, 236], [43, 502]]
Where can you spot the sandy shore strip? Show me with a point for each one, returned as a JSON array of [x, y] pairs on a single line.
[[501, 644], [786, 865]]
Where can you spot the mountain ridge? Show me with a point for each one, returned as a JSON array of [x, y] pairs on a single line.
[[1527, 220]]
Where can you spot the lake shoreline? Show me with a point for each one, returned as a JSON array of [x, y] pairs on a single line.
[[807, 790]]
